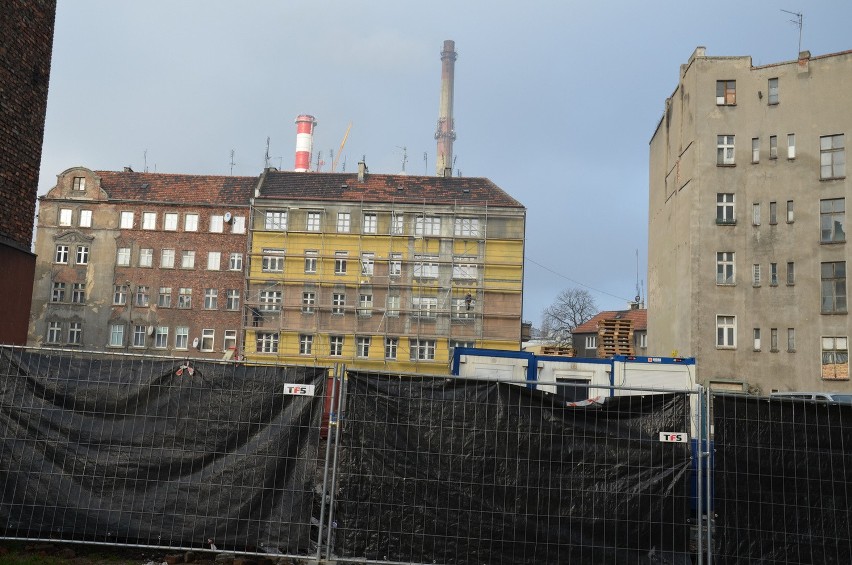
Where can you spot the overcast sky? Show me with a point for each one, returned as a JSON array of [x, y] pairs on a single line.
[[555, 101]]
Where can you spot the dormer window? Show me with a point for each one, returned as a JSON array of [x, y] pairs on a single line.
[[79, 183]]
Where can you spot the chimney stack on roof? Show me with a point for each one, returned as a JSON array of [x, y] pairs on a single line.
[[362, 171], [305, 125], [446, 132]]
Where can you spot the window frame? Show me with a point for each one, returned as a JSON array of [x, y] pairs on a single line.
[[832, 220], [344, 222], [275, 220], [726, 268], [726, 92], [190, 222], [726, 332], [370, 223], [772, 91], [832, 156], [834, 281]]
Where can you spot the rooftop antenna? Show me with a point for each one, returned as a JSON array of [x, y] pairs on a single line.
[[425, 163], [232, 162], [455, 157], [638, 291], [145, 160], [404, 157], [266, 157], [320, 162], [797, 22]]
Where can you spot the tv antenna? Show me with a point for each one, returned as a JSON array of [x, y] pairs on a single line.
[[145, 160], [404, 157], [425, 163], [797, 22], [266, 157], [232, 162]]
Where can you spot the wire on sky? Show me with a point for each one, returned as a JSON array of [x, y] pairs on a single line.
[[567, 278]]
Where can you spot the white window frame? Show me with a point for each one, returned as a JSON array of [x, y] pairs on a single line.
[[365, 304], [184, 298], [78, 293], [116, 335], [208, 338], [82, 257], [344, 222], [146, 257], [143, 296], [311, 261], [421, 349], [270, 300], [66, 217], [79, 183], [217, 224], [229, 340], [391, 348], [214, 260], [338, 303], [211, 298], [238, 224], [726, 332], [340, 258], [272, 260], [85, 218], [370, 223], [266, 342], [182, 337], [170, 221], [190, 222], [465, 268], [772, 91], [335, 345], [149, 220], [57, 293], [756, 338], [139, 335], [368, 261], [123, 257], [832, 156], [119, 294], [309, 301], [313, 222], [773, 146], [275, 220], [755, 214], [187, 259], [395, 265], [725, 150], [167, 259], [75, 333], [362, 346], [466, 227], [392, 305], [126, 221], [61, 255], [164, 297], [426, 226], [426, 266], [834, 350], [161, 337], [791, 146], [755, 150], [397, 225], [306, 344], [235, 262], [232, 299], [424, 307]]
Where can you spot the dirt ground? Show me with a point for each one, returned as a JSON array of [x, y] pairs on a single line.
[[76, 554]]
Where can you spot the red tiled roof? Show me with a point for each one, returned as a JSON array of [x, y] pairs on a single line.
[[408, 189], [639, 317], [163, 187]]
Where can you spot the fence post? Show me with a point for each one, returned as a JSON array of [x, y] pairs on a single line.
[[706, 452], [338, 408], [699, 482]]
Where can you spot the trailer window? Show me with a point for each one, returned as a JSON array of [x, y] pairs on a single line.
[[572, 390]]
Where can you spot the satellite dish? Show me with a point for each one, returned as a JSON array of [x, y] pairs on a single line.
[[150, 330], [228, 217], [195, 343]]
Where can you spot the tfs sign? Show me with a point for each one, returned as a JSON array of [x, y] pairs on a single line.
[[674, 437], [299, 390]]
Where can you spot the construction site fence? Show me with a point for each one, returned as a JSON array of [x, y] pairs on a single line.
[[329, 465]]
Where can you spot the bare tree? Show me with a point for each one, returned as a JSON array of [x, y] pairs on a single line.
[[572, 307]]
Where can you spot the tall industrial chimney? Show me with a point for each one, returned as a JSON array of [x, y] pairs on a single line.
[[446, 132], [304, 142]]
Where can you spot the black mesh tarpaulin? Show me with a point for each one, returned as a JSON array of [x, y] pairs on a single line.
[[156, 451], [461, 471], [783, 481]]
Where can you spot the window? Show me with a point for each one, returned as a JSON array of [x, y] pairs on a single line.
[[146, 257], [126, 221], [422, 349], [187, 260], [726, 331], [238, 224], [367, 263], [310, 261], [370, 223], [395, 264], [642, 340], [591, 342], [217, 225], [139, 336], [214, 260], [170, 221], [313, 223], [149, 220], [725, 208], [78, 293], [308, 301], [207, 339], [773, 91], [143, 296], [466, 227], [79, 183], [757, 339], [58, 292], [755, 149], [362, 346], [773, 146], [832, 220], [397, 226], [791, 145], [61, 255], [272, 261], [65, 217], [755, 275], [266, 342], [340, 262], [184, 297], [791, 339], [464, 268], [275, 220], [211, 298], [344, 221], [773, 213], [392, 307], [123, 258], [85, 218], [835, 358], [365, 304], [270, 300], [725, 267], [791, 273], [230, 340], [335, 345], [167, 259], [463, 307], [75, 333], [232, 299], [82, 255], [182, 337], [164, 298], [306, 344], [190, 222], [119, 294], [833, 275], [338, 303], [427, 225], [773, 340], [726, 92], [724, 149], [755, 214], [426, 266], [832, 156], [424, 306], [391, 346], [161, 337], [116, 335], [773, 274], [235, 263], [790, 216]]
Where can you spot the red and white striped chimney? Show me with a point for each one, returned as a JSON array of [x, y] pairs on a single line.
[[304, 142]]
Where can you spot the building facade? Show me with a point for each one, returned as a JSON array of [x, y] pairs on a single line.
[[613, 332], [385, 272], [747, 215], [142, 263], [26, 29]]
